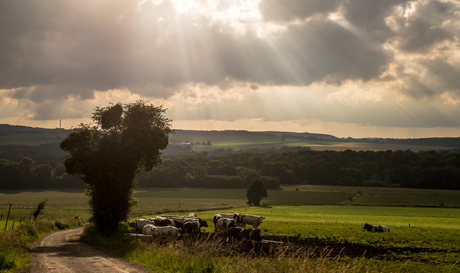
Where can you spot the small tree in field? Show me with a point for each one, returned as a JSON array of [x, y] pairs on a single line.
[[256, 192], [126, 139], [39, 209]]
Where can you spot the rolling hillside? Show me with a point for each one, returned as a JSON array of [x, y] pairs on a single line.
[[42, 140]]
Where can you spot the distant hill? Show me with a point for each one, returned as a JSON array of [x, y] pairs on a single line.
[[6, 129], [191, 136], [39, 142]]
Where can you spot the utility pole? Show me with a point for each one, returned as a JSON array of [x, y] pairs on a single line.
[[6, 224]]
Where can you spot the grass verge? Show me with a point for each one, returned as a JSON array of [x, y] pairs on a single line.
[[15, 244]]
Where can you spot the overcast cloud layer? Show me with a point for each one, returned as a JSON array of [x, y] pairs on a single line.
[[346, 67]]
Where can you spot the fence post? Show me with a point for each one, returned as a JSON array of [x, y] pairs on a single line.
[[8, 216]]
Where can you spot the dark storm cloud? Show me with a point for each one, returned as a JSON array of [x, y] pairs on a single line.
[[41, 93], [426, 27], [65, 48], [58, 49], [370, 15], [444, 75]]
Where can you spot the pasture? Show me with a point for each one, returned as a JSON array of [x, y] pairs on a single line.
[[277, 143], [407, 200], [420, 237]]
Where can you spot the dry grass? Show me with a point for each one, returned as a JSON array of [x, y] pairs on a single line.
[[214, 254]]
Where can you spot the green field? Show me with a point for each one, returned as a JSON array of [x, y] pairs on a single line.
[[407, 200], [425, 236], [260, 144], [196, 199]]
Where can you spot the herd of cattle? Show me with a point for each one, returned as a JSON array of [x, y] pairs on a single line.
[[172, 227]]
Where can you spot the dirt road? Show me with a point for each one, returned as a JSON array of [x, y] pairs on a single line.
[[62, 251]]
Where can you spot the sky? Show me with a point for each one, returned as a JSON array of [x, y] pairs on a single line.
[[350, 68]]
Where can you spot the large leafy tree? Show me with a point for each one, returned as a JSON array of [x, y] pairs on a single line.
[[256, 192], [107, 156]]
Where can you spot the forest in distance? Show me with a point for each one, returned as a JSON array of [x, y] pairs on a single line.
[[424, 169], [40, 166]]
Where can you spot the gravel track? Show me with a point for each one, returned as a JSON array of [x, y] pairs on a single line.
[[63, 251]]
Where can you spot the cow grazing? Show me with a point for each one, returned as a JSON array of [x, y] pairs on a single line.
[[164, 223], [233, 233], [161, 221], [252, 220], [244, 234], [191, 227], [178, 223], [141, 222], [234, 216], [255, 236], [224, 224], [376, 228], [251, 238], [202, 222], [161, 233]]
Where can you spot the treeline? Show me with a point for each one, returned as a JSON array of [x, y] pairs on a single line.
[[425, 169], [28, 174]]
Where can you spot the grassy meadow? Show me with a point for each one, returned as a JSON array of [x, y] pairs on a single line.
[[243, 144], [421, 237]]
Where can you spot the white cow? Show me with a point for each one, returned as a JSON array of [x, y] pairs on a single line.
[[161, 233], [224, 224], [252, 220], [233, 216], [141, 222]]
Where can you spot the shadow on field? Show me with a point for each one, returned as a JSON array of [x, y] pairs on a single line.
[[314, 248]]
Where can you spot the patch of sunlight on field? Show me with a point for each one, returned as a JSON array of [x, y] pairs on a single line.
[[407, 200], [261, 144], [370, 190], [394, 216]]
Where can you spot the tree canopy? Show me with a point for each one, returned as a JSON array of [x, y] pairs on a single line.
[[256, 192], [107, 156]]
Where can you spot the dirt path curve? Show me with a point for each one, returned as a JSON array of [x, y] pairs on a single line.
[[62, 251]]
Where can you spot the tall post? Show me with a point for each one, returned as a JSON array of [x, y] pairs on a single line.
[[6, 224]]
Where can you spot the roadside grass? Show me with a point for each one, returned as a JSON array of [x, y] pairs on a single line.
[[15, 243]]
